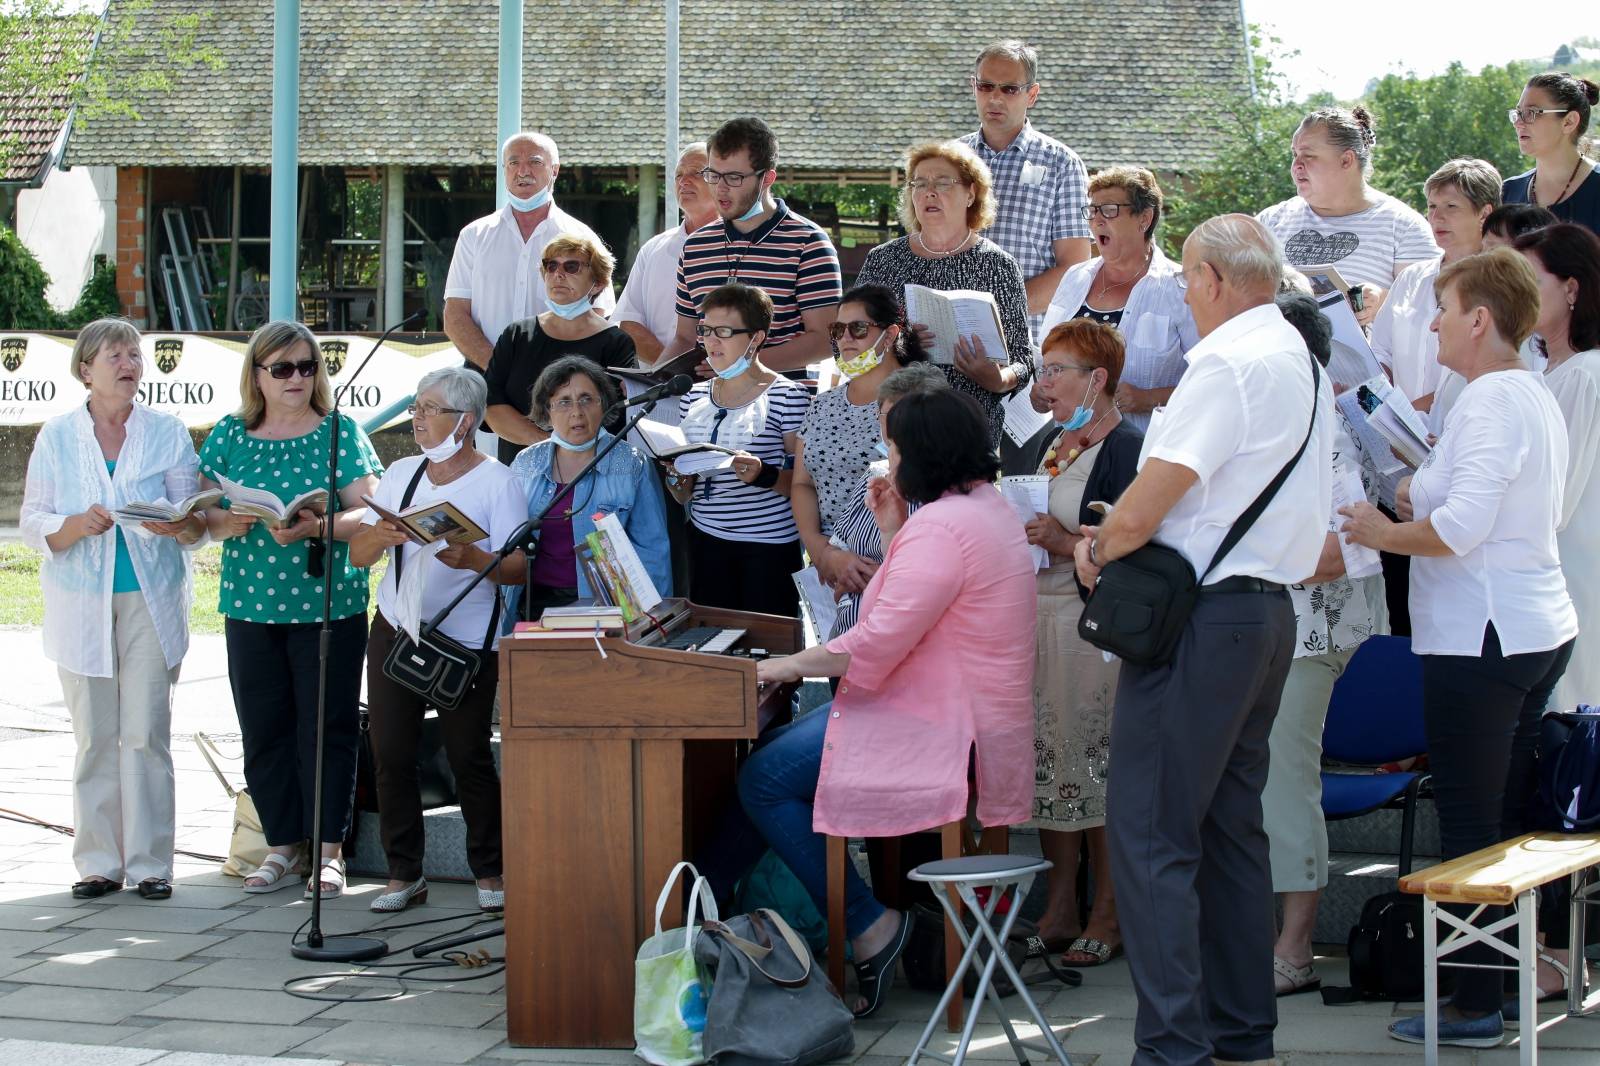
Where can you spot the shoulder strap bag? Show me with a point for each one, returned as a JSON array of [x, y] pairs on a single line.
[[1142, 602], [437, 668]]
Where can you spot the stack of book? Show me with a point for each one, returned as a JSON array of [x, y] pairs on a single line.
[[580, 619]]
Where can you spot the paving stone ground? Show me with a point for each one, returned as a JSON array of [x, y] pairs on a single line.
[[197, 980]]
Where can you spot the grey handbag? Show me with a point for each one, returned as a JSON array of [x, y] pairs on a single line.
[[769, 1005]]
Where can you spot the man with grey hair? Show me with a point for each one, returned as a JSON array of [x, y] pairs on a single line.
[[1189, 737], [1041, 184], [648, 308], [494, 275]]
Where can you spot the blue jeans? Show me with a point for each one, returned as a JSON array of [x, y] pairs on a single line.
[[778, 787]]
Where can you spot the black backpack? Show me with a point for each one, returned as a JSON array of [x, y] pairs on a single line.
[[1385, 949]]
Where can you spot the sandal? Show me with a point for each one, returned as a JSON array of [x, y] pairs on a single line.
[[155, 888], [874, 976], [95, 887], [1098, 950], [331, 874], [1291, 980], [1511, 1009], [273, 873]]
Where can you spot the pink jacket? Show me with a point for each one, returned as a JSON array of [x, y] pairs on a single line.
[[941, 661]]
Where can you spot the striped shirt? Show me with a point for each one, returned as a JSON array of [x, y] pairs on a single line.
[[788, 257], [722, 505], [1366, 248]]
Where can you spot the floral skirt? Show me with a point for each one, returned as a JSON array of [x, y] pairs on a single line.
[[1073, 690]]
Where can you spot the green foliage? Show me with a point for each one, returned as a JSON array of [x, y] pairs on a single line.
[[1424, 122], [22, 285]]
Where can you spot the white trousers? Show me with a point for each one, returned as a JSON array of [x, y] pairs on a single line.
[[122, 784]]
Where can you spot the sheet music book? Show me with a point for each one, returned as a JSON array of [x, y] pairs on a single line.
[[268, 506], [821, 607], [668, 442], [1353, 360], [957, 313], [162, 511], [425, 523], [1022, 421], [1029, 497]]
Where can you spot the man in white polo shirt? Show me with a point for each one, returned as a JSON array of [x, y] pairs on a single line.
[[1189, 738], [494, 275], [647, 311]]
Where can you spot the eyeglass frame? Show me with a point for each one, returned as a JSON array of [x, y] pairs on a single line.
[[939, 185], [1522, 113], [703, 330], [567, 404], [712, 177], [412, 409], [563, 266], [837, 330], [1051, 371], [1004, 88], [307, 368], [1088, 211]]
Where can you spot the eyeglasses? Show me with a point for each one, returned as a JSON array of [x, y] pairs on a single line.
[[563, 266], [430, 410], [1088, 211], [723, 332], [940, 185], [285, 370], [857, 329], [733, 178], [1183, 275], [1525, 115], [582, 403], [1050, 371], [1005, 88]]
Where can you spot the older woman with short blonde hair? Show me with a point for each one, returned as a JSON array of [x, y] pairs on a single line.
[[948, 199], [576, 271]]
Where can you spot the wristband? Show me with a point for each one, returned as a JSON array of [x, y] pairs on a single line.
[[768, 476]]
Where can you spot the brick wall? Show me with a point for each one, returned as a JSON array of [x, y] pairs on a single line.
[[131, 184]]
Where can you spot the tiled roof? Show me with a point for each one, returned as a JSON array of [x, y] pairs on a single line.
[[847, 84], [30, 120]]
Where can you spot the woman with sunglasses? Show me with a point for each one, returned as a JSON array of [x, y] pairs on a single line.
[[840, 435], [948, 201], [743, 542], [1551, 119], [576, 270], [1132, 286], [272, 595]]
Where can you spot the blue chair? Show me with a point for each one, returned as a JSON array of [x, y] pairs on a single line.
[[1375, 717]]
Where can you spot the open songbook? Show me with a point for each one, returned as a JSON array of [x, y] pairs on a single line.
[[668, 442], [662, 372], [956, 313], [425, 523], [268, 506], [162, 511]]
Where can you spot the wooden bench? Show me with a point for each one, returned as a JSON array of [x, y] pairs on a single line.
[[1510, 873]]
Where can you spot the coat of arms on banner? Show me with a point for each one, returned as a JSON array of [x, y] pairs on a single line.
[[12, 351], [334, 354], [168, 351]]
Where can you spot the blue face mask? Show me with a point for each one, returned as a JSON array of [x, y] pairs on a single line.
[[572, 310], [567, 445], [531, 203], [755, 209], [742, 364], [882, 448], [1080, 415]]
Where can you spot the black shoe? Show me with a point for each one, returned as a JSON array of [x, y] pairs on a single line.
[[875, 975], [155, 888], [95, 888]]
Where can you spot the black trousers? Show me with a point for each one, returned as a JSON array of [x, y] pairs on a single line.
[[394, 715], [1481, 714], [743, 575], [273, 670]]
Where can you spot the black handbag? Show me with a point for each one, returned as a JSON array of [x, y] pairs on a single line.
[[1142, 602], [437, 668]]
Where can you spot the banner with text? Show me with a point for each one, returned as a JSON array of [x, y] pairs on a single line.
[[196, 375]]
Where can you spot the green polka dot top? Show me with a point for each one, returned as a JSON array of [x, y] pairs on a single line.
[[261, 580]]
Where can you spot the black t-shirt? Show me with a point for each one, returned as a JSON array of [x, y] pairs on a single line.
[[524, 350], [1582, 206]]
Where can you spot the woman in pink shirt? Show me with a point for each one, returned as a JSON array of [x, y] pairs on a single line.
[[937, 679]]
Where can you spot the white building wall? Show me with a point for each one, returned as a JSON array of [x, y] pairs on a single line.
[[66, 222]]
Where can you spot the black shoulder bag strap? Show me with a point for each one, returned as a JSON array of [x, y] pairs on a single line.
[[405, 501], [1242, 524]]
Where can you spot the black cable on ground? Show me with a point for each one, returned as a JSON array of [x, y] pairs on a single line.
[[480, 961]]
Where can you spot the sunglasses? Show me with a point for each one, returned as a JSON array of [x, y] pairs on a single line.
[[563, 266], [1004, 88], [285, 370], [857, 329]]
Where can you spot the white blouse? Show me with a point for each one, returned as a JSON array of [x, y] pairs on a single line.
[[1492, 490], [1156, 324], [1402, 334], [66, 474]]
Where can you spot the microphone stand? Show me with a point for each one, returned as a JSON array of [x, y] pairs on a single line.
[[318, 947]]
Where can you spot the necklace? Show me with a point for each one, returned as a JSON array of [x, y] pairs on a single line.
[[440, 476], [941, 253], [1564, 189], [1052, 466], [1106, 290]]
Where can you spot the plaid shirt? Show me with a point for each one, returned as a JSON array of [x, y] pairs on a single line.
[[1036, 212]]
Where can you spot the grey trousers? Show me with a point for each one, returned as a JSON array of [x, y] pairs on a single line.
[[1188, 851]]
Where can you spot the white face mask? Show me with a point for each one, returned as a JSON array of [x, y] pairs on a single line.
[[446, 449]]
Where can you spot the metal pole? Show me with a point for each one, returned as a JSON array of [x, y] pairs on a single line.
[[232, 319], [670, 166], [509, 115], [648, 191], [394, 247], [285, 157]]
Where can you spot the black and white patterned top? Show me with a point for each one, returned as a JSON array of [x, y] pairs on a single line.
[[840, 439], [722, 505], [1109, 318], [985, 267]]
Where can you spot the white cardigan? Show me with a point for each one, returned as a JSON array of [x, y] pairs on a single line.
[[66, 474], [1156, 324]]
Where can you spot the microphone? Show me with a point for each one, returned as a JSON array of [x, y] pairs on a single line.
[[678, 386]]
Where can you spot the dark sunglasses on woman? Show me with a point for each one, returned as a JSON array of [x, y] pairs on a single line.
[[563, 266], [285, 370], [858, 329]]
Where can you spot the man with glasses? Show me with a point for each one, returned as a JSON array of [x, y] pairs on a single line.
[[648, 308], [759, 242], [1038, 181], [494, 274]]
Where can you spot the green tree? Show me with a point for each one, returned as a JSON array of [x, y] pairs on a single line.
[[1424, 122]]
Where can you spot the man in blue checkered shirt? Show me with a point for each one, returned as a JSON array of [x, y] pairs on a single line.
[[1040, 183]]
